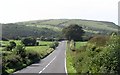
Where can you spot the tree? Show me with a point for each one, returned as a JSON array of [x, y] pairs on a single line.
[[29, 41], [73, 32]]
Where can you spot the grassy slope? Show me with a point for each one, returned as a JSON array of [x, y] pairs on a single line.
[[41, 50], [37, 27], [65, 22], [69, 58], [14, 30], [69, 65]]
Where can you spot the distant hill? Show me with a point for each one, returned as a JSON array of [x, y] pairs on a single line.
[[52, 27]]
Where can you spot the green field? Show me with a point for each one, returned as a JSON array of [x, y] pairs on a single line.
[[41, 50], [45, 42], [79, 44]]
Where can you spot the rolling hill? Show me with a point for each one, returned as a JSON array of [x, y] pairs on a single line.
[[52, 28]]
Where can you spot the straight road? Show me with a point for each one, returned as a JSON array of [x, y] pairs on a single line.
[[54, 64]]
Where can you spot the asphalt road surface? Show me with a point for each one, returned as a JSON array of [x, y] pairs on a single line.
[[53, 64]]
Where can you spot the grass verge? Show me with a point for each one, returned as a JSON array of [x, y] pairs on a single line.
[[69, 65], [70, 57]]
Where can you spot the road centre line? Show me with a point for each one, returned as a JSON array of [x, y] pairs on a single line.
[[47, 65]]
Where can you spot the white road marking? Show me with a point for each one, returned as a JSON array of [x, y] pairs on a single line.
[[47, 65], [65, 63]]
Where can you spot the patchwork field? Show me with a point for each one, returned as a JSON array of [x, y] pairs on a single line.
[[52, 27]]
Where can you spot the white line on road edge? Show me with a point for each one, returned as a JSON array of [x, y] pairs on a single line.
[[47, 65], [65, 63]]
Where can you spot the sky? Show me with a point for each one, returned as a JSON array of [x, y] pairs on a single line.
[[24, 10]]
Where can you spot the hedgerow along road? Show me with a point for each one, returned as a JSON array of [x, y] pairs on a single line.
[[53, 64]]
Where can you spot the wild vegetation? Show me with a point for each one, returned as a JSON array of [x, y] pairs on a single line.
[[17, 55], [99, 55]]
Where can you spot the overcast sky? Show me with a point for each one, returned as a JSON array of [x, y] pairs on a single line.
[[24, 10]]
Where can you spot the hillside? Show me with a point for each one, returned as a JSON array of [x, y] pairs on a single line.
[[14, 31], [52, 27]]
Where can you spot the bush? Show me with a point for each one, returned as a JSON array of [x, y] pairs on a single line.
[[8, 48], [37, 43], [11, 45], [33, 56], [29, 41], [99, 59], [54, 45], [72, 45], [20, 49], [13, 62], [99, 40]]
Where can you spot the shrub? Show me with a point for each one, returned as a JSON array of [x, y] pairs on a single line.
[[14, 62], [11, 62], [8, 48], [72, 45], [20, 49], [99, 40], [29, 41], [54, 45], [37, 43], [11, 45], [33, 56], [95, 59]]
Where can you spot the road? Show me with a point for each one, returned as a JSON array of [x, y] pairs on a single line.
[[53, 64]]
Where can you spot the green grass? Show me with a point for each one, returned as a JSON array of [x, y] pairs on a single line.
[[41, 50], [16, 41], [70, 57], [69, 65], [45, 42], [54, 24], [32, 53], [92, 24], [52, 27], [5, 43], [79, 44]]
